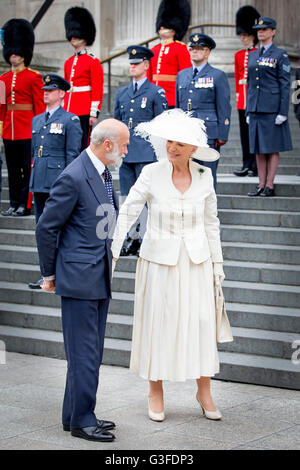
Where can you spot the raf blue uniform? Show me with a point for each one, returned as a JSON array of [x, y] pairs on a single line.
[[207, 95], [138, 102], [55, 144], [132, 108], [268, 95]]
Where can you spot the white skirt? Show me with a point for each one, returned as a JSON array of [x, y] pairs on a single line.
[[174, 329]]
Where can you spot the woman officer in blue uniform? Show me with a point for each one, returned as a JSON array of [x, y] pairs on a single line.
[[267, 107]]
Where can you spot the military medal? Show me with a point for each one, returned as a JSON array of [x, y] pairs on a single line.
[[56, 128], [144, 102]]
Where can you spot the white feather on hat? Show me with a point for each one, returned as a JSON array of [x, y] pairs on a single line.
[[179, 126]]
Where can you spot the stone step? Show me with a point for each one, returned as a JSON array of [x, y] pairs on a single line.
[[260, 370], [292, 170], [251, 234], [259, 218], [239, 202], [276, 319], [255, 369], [20, 237], [263, 253], [261, 342], [19, 254], [18, 223]]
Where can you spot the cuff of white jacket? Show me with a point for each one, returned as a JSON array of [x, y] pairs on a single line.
[[215, 251], [218, 270]]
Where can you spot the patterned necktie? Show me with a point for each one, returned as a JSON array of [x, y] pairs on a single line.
[[108, 185]]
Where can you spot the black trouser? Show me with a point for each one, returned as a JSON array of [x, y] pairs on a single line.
[[86, 131], [249, 159], [39, 204], [18, 161]]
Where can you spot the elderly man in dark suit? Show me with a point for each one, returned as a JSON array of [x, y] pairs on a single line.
[[74, 239]]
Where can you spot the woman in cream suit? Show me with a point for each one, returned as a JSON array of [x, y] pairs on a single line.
[[174, 331]]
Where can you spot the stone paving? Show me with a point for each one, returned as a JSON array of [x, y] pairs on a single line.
[[31, 393]]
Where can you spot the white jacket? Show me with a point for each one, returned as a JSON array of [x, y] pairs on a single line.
[[172, 217]]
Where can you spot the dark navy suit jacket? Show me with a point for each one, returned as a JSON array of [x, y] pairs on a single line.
[[74, 232]]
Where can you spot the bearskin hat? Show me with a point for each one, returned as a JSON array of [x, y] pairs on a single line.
[[245, 19], [174, 14], [79, 23], [17, 37]]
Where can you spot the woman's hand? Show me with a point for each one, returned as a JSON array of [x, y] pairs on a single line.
[[219, 275], [113, 265]]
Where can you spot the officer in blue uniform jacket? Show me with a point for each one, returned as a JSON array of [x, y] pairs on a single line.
[[205, 91], [138, 102], [56, 141], [268, 100]]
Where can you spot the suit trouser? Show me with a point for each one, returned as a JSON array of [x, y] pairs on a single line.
[[128, 174], [83, 323], [18, 161], [249, 159], [39, 204], [86, 131]]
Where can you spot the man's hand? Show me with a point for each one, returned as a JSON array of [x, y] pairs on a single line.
[[92, 120], [219, 143], [48, 286]]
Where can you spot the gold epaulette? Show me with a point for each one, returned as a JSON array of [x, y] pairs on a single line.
[[180, 42], [35, 71]]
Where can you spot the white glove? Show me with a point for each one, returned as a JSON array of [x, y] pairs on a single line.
[[113, 265], [247, 119], [280, 119], [219, 275]]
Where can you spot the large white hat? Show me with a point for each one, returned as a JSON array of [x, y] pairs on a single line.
[[179, 126]]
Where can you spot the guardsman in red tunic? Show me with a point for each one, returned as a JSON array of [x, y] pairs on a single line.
[[245, 18], [23, 100], [83, 71], [171, 55]]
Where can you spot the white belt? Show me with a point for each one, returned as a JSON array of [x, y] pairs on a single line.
[[73, 89]]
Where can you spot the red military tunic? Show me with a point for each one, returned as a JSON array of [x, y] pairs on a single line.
[[24, 99], [241, 75], [84, 72], [169, 58]]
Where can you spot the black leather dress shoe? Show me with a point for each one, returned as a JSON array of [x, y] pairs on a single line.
[[257, 192], [21, 211], [131, 248], [243, 172], [104, 425], [268, 192], [36, 285], [93, 433], [252, 173], [9, 211]]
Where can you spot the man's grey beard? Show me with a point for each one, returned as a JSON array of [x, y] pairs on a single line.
[[115, 158]]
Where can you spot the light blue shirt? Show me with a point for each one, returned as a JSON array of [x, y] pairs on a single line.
[[200, 67], [266, 47], [52, 111], [139, 82]]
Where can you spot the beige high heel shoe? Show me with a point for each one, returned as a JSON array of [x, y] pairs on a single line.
[[214, 415], [155, 416]]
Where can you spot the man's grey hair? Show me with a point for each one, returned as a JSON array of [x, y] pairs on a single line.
[[100, 134]]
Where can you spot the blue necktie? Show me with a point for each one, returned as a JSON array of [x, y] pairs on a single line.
[[108, 185]]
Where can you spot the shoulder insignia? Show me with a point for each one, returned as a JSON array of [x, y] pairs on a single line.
[[91, 55], [35, 71], [161, 91], [180, 42], [74, 118]]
